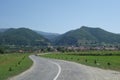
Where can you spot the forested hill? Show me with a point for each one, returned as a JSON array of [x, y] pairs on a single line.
[[22, 37], [84, 36], [88, 36]]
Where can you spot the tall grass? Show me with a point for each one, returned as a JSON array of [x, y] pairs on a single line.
[[13, 64]]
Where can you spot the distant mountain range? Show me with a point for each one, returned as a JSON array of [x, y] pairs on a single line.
[[84, 36], [87, 36], [49, 36], [2, 30]]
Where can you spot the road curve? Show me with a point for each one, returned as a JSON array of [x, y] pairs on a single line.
[[75, 71], [51, 69], [42, 69]]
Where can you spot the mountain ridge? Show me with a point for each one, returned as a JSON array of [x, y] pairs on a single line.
[[83, 36], [48, 35], [22, 36], [86, 35]]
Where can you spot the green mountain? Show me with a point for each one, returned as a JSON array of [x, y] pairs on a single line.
[[88, 36], [22, 37], [84, 36]]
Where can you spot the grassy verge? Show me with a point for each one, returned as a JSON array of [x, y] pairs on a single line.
[[105, 62], [13, 64]]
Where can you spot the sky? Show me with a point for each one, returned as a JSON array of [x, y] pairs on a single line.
[[60, 16]]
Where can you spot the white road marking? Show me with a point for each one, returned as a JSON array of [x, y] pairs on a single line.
[[59, 70]]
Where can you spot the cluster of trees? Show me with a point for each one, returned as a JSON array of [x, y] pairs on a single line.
[[40, 49]]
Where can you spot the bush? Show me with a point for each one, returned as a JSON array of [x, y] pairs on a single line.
[[10, 69], [86, 60], [1, 51], [95, 61], [108, 64], [19, 62]]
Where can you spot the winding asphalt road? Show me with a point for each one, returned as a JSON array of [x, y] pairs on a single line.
[[50, 69]]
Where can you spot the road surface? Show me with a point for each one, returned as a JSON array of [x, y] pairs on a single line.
[[50, 69]]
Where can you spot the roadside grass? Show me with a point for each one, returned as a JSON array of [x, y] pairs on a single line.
[[13, 64], [105, 62]]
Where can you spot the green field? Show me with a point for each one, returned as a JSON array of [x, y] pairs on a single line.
[[105, 62], [13, 64]]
